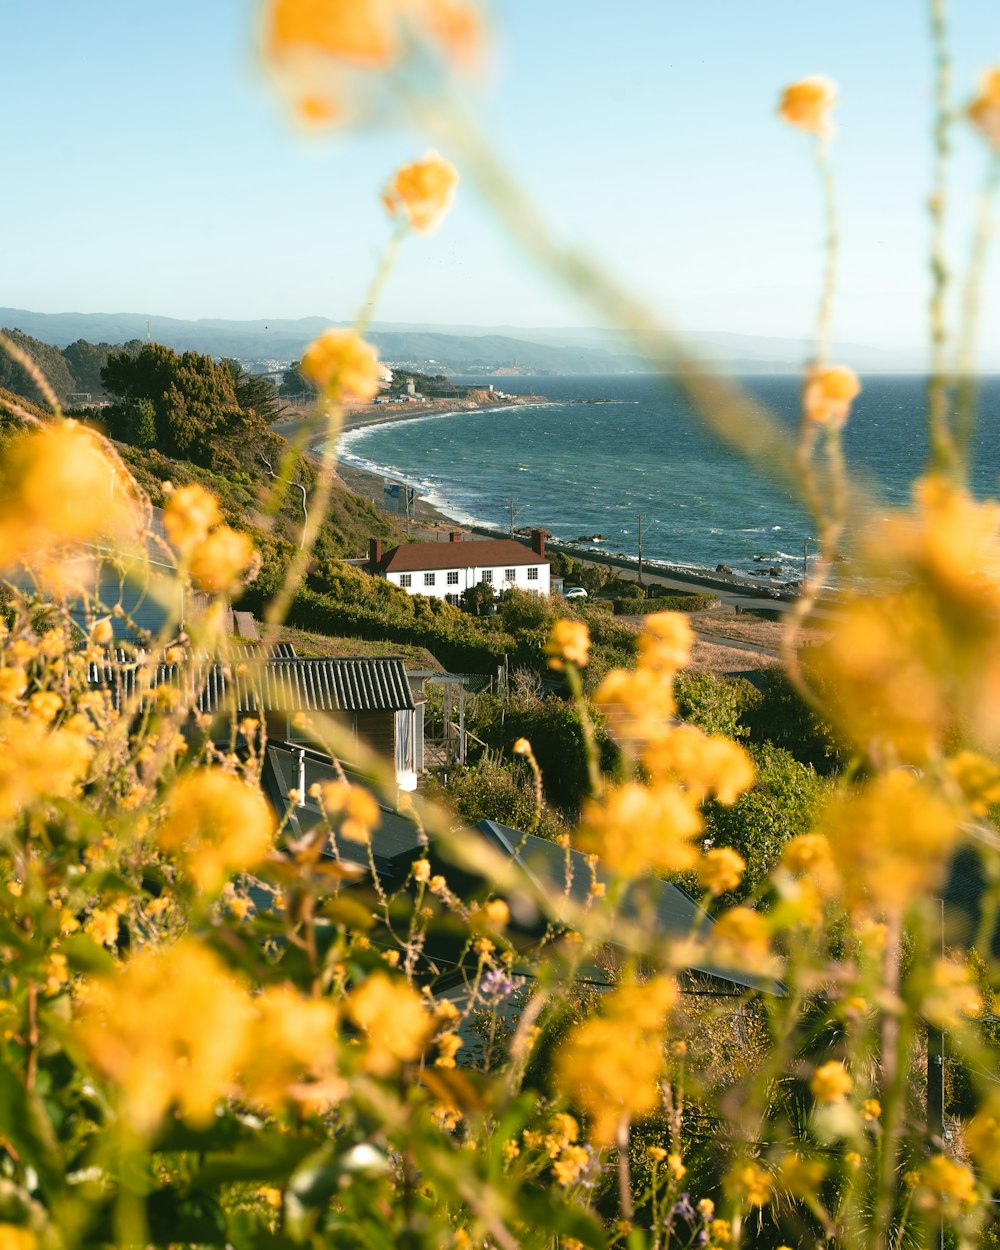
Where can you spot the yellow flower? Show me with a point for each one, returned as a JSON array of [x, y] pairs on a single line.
[[563, 1131], [423, 192], [421, 870], [103, 927], [102, 631], [808, 103], [706, 1208], [61, 487], [946, 1185], [982, 1135], [36, 762], [799, 1176], [720, 1232], [871, 1110], [656, 1153], [831, 1082], [978, 778], [676, 1165], [637, 830], [342, 365], [190, 513], [456, 27], [497, 912], [394, 1020], [828, 395], [17, 1237], [294, 1051], [216, 824], [219, 560], [448, 1044], [567, 1168], [46, 705], [358, 31], [13, 684], [706, 764], [952, 995], [741, 936], [752, 1182], [569, 643], [611, 1064], [721, 869], [522, 747], [665, 642], [891, 840], [170, 1029], [984, 110], [360, 812], [638, 704]]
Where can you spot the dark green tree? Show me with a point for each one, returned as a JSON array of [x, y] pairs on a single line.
[[15, 377], [85, 361], [254, 392]]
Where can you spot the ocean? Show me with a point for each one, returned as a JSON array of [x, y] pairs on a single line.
[[582, 469]]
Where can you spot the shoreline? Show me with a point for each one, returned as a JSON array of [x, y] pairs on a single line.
[[431, 523]]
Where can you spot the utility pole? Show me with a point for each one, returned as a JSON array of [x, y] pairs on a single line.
[[512, 503], [641, 518]]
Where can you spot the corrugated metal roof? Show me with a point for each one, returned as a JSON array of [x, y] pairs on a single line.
[[479, 554], [276, 685]]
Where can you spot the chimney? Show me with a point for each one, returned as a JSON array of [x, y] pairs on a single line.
[[538, 543], [374, 553], [454, 537]]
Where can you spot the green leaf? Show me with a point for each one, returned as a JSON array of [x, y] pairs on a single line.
[[270, 1159], [24, 1123], [84, 954], [542, 1210]]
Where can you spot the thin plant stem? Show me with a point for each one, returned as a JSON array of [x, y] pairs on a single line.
[[831, 252], [965, 396], [942, 443]]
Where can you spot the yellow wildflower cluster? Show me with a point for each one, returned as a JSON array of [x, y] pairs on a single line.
[[891, 840], [342, 366], [831, 1082], [800, 1176], [39, 762], [707, 765], [61, 487], [752, 1183], [394, 1020], [637, 830], [951, 995], [919, 657], [611, 1064], [215, 825], [329, 55], [946, 1186], [721, 869], [217, 555], [422, 193], [639, 704], [176, 1028], [358, 811]]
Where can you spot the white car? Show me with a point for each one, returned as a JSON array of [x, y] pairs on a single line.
[[574, 592]]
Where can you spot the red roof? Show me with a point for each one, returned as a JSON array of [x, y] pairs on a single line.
[[479, 553]]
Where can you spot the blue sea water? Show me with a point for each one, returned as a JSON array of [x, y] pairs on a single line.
[[580, 469]]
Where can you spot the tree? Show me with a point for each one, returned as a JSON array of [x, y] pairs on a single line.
[[254, 392], [475, 598], [49, 360], [85, 361]]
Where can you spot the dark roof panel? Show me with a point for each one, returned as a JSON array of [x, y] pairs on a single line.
[[275, 685]]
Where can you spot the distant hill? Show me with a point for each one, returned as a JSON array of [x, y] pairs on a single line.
[[454, 348]]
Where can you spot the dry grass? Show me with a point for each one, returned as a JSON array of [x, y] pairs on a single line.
[[748, 629], [710, 657]]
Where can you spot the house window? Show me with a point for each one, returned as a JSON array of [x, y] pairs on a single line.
[[428, 579], [532, 575], [406, 579], [488, 576], [453, 579], [508, 574]]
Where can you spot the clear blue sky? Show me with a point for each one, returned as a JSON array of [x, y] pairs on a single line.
[[150, 168]]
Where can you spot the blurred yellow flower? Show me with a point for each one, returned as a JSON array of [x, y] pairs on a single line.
[[359, 31], [741, 936], [611, 1064], [216, 825], [951, 996], [342, 365], [828, 395], [808, 103], [170, 1029], [62, 487], [394, 1020], [946, 1185], [569, 643], [36, 763], [831, 1082], [799, 1176], [218, 562], [708, 765], [423, 192], [982, 1135], [752, 1183], [570, 1164], [359, 811], [984, 110], [638, 704], [665, 642], [721, 869], [190, 512], [637, 830], [294, 1048]]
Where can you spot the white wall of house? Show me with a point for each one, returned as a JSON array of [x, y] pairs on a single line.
[[440, 583]]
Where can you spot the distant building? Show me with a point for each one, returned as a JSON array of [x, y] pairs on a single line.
[[445, 570]]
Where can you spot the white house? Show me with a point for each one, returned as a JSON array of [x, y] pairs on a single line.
[[445, 570]]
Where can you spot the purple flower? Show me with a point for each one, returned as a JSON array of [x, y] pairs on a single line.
[[496, 986], [682, 1207]]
